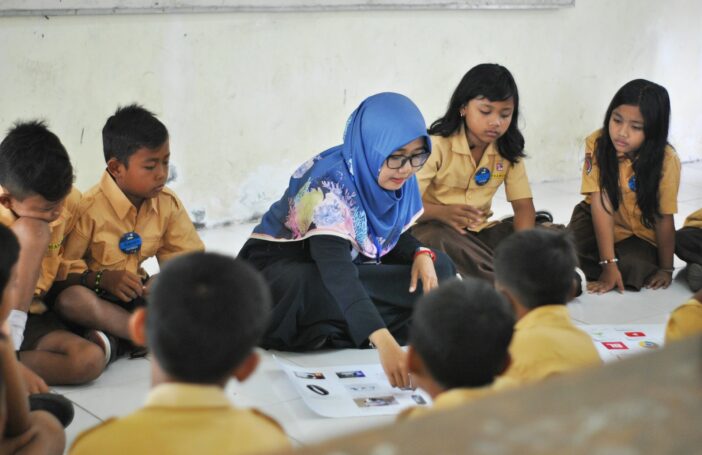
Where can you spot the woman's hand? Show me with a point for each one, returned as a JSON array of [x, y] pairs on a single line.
[[660, 279], [609, 278], [423, 269], [392, 358]]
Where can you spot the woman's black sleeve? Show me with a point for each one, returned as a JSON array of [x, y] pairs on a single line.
[[340, 277], [404, 250]]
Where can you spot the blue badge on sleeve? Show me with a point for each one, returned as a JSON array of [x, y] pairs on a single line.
[[482, 176], [130, 243], [632, 183]]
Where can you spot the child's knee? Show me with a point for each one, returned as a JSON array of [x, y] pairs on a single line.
[[74, 296], [86, 361]]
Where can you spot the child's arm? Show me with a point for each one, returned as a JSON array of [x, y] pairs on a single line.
[[16, 395], [603, 223], [458, 216], [524, 214], [665, 238]]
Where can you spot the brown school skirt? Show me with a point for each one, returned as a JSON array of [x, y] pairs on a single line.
[[638, 259], [471, 253]]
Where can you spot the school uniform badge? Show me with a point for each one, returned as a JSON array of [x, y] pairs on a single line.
[[588, 164]]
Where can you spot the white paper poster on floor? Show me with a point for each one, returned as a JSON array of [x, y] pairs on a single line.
[[351, 390], [616, 342]]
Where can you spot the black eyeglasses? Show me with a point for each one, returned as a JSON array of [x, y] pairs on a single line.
[[397, 161]]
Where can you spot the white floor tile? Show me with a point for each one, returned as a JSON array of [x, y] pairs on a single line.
[[82, 420], [268, 385]]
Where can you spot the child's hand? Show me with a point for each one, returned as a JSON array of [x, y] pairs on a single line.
[[423, 269], [32, 381], [392, 358], [460, 217], [660, 279], [609, 278], [124, 285]]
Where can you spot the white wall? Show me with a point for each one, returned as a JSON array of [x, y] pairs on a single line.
[[249, 96]]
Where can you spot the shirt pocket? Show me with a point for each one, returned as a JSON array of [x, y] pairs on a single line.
[[149, 247]]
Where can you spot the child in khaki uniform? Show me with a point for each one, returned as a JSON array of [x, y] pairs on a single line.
[[685, 320], [458, 344], [624, 229], [39, 205], [21, 431], [688, 247], [127, 218], [532, 269], [206, 314], [477, 147]]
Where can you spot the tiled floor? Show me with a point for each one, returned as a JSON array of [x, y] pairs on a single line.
[[122, 388]]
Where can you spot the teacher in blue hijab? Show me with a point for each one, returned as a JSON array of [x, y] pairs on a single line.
[[344, 271]]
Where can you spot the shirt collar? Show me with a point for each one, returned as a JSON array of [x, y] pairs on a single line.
[[461, 395], [182, 395], [118, 200], [459, 143], [544, 315]]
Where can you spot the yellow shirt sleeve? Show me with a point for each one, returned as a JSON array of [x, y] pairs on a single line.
[[180, 236], [517, 182], [427, 173], [670, 183], [684, 321], [591, 171]]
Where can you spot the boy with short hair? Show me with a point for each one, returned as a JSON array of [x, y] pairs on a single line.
[[459, 343], [534, 270], [38, 203], [127, 218], [206, 314], [21, 431]]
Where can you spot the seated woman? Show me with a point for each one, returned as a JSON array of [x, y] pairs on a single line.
[[343, 270]]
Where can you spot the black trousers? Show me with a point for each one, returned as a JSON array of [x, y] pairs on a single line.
[[688, 244]]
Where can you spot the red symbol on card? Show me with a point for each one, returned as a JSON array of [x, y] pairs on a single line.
[[614, 345], [635, 334]]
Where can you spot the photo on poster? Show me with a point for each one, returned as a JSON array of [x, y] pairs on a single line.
[[373, 402], [309, 375], [350, 374], [363, 389], [419, 400]]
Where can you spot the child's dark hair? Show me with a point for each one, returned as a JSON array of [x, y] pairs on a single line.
[[10, 253], [537, 265], [654, 104], [494, 82], [129, 129], [33, 161], [205, 314], [462, 331]]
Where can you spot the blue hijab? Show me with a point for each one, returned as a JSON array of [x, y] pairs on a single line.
[[337, 192]]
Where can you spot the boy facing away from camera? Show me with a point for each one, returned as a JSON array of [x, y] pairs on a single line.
[[206, 314]]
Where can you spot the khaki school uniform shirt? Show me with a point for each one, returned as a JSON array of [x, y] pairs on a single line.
[[448, 177], [545, 343], [58, 229], [184, 419], [694, 220], [456, 397], [106, 215], [627, 219], [684, 321]]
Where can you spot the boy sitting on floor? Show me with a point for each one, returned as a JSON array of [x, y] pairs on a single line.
[[206, 313], [127, 218], [21, 431], [38, 203], [458, 343], [534, 270]]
